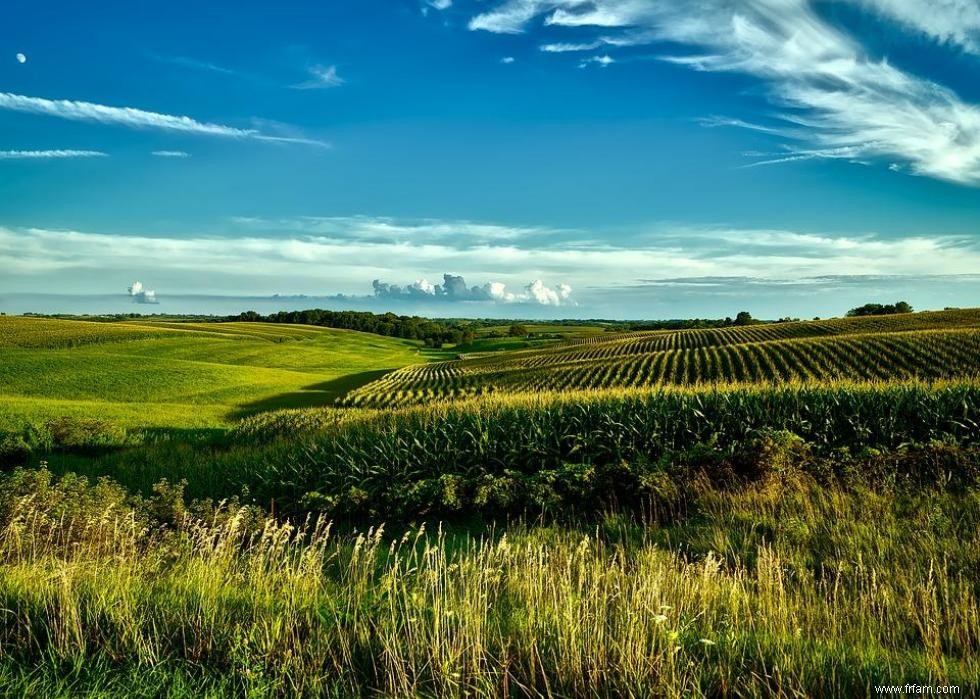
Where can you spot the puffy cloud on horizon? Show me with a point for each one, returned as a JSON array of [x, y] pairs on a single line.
[[454, 288]]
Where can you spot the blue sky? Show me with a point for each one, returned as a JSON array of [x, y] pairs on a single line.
[[637, 158]]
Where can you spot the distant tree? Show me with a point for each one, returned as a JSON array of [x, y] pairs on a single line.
[[743, 318], [877, 309], [519, 331]]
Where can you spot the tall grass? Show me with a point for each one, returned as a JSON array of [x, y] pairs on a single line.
[[785, 588]]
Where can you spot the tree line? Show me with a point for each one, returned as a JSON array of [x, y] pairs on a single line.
[[434, 333], [877, 309]]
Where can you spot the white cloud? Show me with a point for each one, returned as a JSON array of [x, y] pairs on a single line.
[[440, 4], [132, 118], [510, 18], [565, 47], [423, 286], [506, 60], [122, 116], [546, 296], [946, 21], [21, 58], [321, 77], [601, 61], [49, 154], [337, 262], [462, 233], [455, 289], [830, 89], [171, 154]]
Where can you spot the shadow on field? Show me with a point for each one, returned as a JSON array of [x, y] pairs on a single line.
[[318, 395]]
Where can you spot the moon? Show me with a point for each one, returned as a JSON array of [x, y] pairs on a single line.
[[21, 58]]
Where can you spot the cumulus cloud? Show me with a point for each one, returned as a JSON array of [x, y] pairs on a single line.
[[830, 90], [129, 117], [49, 154], [21, 58], [139, 294], [454, 288]]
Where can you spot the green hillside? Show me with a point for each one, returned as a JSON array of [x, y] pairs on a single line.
[[145, 374], [939, 345]]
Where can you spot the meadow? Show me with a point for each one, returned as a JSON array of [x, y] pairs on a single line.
[[146, 374], [268, 510]]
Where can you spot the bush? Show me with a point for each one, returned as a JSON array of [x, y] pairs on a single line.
[[81, 435]]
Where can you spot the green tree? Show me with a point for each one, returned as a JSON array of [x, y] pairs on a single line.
[[518, 331]]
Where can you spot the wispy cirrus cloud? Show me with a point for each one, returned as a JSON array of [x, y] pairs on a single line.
[[954, 22], [321, 77], [50, 154], [119, 116], [196, 64], [822, 79], [568, 47], [134, 118], [171, 154]]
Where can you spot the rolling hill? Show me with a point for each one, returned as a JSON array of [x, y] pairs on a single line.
[[934, 345], [168, 374]]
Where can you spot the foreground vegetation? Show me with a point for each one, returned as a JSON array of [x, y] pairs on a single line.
[[783, 587], [750, 510]]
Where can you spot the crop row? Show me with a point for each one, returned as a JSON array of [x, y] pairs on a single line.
[[866, 357]]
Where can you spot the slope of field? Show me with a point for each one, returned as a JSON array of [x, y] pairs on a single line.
[[180, 374], [923, 345]]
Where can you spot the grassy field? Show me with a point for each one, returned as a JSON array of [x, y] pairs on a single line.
[[144, 374], [238, 509]]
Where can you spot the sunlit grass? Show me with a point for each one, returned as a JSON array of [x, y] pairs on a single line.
[[784, 588]]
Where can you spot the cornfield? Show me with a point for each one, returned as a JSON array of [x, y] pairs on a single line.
[[922, 346]]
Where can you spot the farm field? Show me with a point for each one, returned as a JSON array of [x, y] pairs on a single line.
[[253, 509], [167, 374], [923, 345]]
